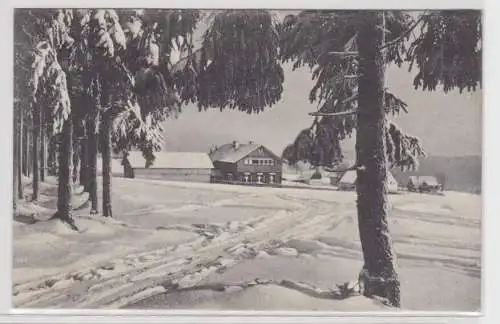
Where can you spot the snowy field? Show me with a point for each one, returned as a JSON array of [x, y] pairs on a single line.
[[210, 246]]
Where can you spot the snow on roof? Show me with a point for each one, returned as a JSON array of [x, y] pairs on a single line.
[[428, 179], [231, 153], [172, 160], [391, 179], [421, 179], [351, 175]]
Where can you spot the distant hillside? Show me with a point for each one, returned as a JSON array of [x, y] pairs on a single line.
[[460, 173]]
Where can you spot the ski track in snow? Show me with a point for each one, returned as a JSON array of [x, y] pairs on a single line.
[[275, 217]]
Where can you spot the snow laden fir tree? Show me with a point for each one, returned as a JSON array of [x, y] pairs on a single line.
[[93, 80], [348, 52]]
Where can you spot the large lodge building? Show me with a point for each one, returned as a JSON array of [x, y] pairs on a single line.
[[245, 163]]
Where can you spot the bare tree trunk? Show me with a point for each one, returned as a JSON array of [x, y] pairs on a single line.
[[28, 151], [83, 164], [15, 160], [378, 276], [23, 147], [43, 153], [20, 193], [76, 160], [52, 155], [20, 189], [36, 150], [106, 166], [65, 187], [91, 146]]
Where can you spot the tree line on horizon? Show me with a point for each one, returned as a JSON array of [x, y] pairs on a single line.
[[90, 81]]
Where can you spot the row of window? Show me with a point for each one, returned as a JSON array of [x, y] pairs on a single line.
[[259, 161], [259, 178]]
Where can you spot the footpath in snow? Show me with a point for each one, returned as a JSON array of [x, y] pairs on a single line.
[[210, 246]]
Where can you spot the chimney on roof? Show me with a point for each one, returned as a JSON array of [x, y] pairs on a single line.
[[236, 145], [213, 148]]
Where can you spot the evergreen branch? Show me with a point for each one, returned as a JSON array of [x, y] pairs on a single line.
[[402, 36], [179, 65], [351, 98], [384, 29], [355, 53], [317, 113], [31, 36], [351, 168]]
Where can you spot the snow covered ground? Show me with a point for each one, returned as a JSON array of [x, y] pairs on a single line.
[[211, 246]]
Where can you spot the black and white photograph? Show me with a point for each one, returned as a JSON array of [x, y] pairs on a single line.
[[247, 159]]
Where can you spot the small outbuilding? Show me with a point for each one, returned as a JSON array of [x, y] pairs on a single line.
[[423, 184], [170, 166]]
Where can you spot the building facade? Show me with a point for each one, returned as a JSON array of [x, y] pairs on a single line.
[[423, 184], [170, 166], [246, 164]]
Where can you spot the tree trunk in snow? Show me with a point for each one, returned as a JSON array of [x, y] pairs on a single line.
[[15, 164], [65, 186], [91, 172], [20, 189], [51, 156], [43, 153], [83, 164], [20, 193], [28, 150], [76, 160], [36, 150], [23, 148], [378, 276], [106, 166]]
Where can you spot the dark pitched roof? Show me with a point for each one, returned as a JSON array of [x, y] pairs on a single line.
[[231, 154]]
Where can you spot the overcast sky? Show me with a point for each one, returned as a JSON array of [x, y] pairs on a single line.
[[448, 124]]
